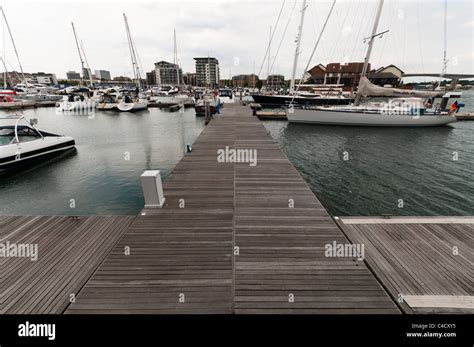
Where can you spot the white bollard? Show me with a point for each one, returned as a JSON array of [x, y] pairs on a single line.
[[152, 189]]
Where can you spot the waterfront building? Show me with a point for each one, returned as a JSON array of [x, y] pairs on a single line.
[[122, 79], [44, 78], [151, 78], [386, 76], [248, 81], [167, 74], [86, 73], [15, 77], [276, 82], [190, 79], [103, 75], [348, 74], [207, 72], [73, 75]]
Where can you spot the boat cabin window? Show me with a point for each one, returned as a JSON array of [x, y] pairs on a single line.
[[25, 134], [6, 136], [225, 93]]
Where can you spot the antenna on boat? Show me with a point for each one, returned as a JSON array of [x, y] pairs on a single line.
[[369, 49], [14, 46], [298, 45]]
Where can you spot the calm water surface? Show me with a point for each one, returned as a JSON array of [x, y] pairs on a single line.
[[384, 166], [98, 177]]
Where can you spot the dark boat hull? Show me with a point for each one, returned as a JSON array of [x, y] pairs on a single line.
[[36, 156], [285, 100], [201, 110]]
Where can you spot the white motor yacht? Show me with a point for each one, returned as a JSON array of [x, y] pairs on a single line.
[[21, 142]]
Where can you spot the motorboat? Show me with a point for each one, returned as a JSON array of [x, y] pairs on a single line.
[[76, 103], [226, 96], [202, 104], [21, 142]]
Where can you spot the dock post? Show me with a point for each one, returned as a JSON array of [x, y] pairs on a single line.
[[152, 189]]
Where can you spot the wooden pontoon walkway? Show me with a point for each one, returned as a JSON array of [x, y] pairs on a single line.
[[237, 246], [236, 238], [424, 262], [69, 251]]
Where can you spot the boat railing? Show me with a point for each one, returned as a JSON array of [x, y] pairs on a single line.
[[19, 118]]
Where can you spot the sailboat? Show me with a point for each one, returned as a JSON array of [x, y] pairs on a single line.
[[173, 96], [132, 101], [295, 97], [406, 108], [79, 102]]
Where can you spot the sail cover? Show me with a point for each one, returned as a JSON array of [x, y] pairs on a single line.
[[367, 88]]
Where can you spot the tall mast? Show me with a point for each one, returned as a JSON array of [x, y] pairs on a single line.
[[445, 62], [298, 45], [369, 49], [209, 69], [176, 58], [14, 46], [314, 48], [268, 58], [87, 64], [4, 74], [4, 53], [78, 51], [253, 77], [136, 70]]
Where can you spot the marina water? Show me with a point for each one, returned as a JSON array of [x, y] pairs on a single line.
[[399, 171]]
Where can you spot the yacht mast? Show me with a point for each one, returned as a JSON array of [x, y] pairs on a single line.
[[268, 58], [314, 49], [445, 62], [298, 45], [136, 70], [14, 46], [4, 74], [79, 52], [369, 49], [176, 58], [87, 64]]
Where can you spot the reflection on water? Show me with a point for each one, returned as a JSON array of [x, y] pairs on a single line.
[[103, 177], [386, 167]]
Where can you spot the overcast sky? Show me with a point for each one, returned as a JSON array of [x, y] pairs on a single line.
[[237, 33]]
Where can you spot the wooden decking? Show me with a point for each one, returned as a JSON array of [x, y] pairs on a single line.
[[425, 262], [236, 238], [69, 251], [236, 246]]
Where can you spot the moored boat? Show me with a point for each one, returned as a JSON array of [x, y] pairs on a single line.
[[22, 143]]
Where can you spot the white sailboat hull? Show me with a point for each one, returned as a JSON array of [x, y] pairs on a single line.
[[132, 106], [339, 117]]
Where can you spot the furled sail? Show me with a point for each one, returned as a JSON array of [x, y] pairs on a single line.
[[367, 88]]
